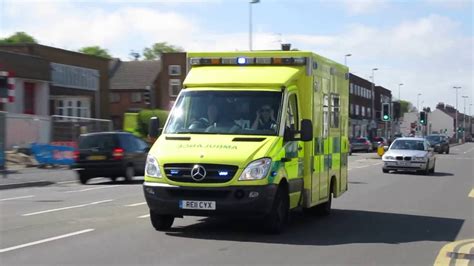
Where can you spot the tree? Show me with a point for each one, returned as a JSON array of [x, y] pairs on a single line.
[[158, 48], [18, 37], [96, 50], [405, 107]]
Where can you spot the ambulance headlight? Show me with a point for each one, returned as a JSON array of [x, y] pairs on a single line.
[[152, 168], [256, 170]]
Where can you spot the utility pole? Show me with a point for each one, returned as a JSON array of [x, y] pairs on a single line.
[[418, 110], [456, 123], [464, 119], [400, 104], [250, 21]]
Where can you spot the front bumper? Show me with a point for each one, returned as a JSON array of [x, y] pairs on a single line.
[[100, 168], [230, 201], [404, 165]]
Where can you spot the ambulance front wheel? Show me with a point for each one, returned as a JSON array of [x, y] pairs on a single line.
[[277, 219], [161, 222]]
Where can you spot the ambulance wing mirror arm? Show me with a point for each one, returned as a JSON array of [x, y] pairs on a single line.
[[306, 130]]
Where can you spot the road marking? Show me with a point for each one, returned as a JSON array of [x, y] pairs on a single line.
[[455, 253], [136, 204], [143, 216], [46, 240], [88, 189], [377, 164], [67, 208], [66, 182], [468, 151], [22, 197], [471, 195]]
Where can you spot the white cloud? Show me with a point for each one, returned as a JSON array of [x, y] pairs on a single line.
[[358, 7]]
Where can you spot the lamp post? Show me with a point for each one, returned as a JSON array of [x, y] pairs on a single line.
[[464, 119], [373, 124], [251, 2], [418, 110], [345, 58], [457, 114], [399, 85]]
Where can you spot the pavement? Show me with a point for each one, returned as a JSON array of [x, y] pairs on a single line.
[[384, 219]]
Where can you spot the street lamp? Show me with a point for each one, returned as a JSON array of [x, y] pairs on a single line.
[[345, 58], [399, 85], [457, 114], [251, 2], [418, 102], [373, 125]]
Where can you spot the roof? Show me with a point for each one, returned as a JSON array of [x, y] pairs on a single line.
[[33, 45], [25, 66], [249, 76], [410, 138], [135, 75]]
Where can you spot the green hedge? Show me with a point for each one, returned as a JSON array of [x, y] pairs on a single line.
[[144, 119]]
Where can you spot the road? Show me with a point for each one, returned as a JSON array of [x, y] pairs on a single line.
[[384, 219]]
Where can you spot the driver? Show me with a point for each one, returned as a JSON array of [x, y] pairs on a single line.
[[265, 118]]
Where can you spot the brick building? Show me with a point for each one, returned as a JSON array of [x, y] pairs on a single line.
[[360, 103], [79, 83], [170, 80]]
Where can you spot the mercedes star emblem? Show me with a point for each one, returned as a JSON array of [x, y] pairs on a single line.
[[198, 173]]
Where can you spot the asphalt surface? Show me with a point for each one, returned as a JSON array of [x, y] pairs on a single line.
[[384, 219]]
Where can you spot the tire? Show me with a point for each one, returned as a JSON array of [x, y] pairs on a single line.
[[447, 151], [385, 171], [114, 179], [427, 170], [161, 222], [278, 217], [440, 151], [325, 208], [129, 173], [83, 178]]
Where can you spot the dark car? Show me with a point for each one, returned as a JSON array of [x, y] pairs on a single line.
[[379, 141], [439, 143], [361, 144], [110, 154]]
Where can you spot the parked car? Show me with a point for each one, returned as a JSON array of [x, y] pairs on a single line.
[[377, 141], [110, 154], [409, 154], [361, 144], [440, 143]]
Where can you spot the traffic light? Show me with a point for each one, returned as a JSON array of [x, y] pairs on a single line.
[[386, 112], [423, 118]]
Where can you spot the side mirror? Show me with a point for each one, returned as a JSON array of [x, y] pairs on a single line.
[[306, 130], [385, 148], [153, 127]]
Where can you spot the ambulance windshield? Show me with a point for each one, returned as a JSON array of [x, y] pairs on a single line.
[[226, 112]]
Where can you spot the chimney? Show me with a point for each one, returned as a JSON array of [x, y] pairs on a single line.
[[285, 46]]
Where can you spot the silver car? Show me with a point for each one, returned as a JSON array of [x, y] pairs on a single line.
[[409, 154]]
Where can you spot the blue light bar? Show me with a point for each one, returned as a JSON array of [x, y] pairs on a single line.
[[241, 60]]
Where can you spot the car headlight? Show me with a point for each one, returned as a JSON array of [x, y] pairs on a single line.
[[257, 169], [152, 168], [389, 157], [419, 159]]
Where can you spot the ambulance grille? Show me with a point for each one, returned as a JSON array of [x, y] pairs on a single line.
[[215, 173]]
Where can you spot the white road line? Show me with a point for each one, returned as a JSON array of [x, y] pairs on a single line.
[[66, 182], [22, 197], [377, 164], [88, 189], [135, 204], [143, 216], [66, 208], [45, 240], [468, 151]]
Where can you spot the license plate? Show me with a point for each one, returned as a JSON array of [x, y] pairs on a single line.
[[403, 163], [96, 157], [197, 205]]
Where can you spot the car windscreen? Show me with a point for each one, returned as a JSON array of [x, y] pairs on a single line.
[[101, 142], [403, 144], [360, 141], [226, 112], [433, 139]]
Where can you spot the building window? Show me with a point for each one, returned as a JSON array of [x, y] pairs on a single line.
[[357, 109], [72, 106], [352, 109], [74, 77], [351, 88], [362, 110], [175, 87], [174, 70], [114, 97], [368, 112], [136, 97]]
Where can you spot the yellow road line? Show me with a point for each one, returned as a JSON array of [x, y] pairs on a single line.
[[471, 195], [444, 257]]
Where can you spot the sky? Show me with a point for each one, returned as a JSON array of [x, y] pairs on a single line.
[[427, 45]]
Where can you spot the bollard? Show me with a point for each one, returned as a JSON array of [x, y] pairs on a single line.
[[380, 150]]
